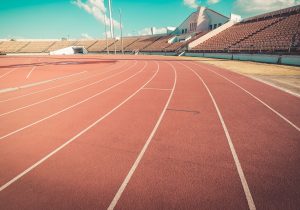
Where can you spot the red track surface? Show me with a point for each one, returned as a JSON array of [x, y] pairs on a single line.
[[144, 132]]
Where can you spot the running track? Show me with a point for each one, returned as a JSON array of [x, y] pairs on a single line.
[[143, 132]]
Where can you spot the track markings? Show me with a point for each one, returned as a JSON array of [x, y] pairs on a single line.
[[247, 192], [5, 90], [253, 96], [157, 89], [62, 85], [29, 169], [142, 152], [5, 74], [65, 93], [28, 75], [72, 106]]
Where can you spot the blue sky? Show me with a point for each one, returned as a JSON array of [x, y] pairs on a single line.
[[84, 18]]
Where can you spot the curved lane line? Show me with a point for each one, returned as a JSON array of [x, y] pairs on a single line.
[[29, 169], [65, 93], [232, 149], [5, 74], [65, 84], [72, 106], [253, 96], [142, 152]]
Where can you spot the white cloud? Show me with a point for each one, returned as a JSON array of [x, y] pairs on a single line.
[[213, 1], [86, 36], [191, 3], [107, 33], [97, 9], [147, 31], [253, 7]]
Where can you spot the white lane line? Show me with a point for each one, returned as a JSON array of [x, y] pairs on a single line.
[[28, 75], [232, 149], [37, 83], [16, 178], [68, 92], [65, 84], [264, 103], [141, 154], [32, 69], [157, 89], [72, 106], [5, 74]]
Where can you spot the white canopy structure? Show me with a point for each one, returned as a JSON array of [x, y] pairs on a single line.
[[70, 51]]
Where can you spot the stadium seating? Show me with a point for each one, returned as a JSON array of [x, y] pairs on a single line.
[[224, 40], [158, 45], [281, 36], [36, 47], [276, 31], [141, 43], [12, 46], [126, 42], [86, 43], [100, 46]]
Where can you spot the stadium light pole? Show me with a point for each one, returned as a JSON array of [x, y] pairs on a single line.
[[111, 21], [114, 40], [107, 50], [121, 28]]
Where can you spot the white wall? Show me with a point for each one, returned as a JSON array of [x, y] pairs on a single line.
[[203, 17], [67, 51]]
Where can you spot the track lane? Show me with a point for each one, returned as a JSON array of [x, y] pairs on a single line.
[[283, 104], [46, 69], [267, 149], [90, 71], [64, 90], [186, 167], [19, 74], [55, 130], [96, 164], [266, 144], [44, 111]]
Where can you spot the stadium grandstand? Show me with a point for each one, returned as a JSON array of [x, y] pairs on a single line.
[[204, 31]]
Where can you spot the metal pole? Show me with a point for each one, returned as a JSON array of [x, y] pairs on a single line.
[[107, 50], [121, 27], [111, 20], [114, 40]]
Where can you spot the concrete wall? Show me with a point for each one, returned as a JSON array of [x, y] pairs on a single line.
[[158, 53], [263, 58], [257, 57], [290, 60]]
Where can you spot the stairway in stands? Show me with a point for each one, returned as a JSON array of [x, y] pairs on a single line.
[[23, 47]]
